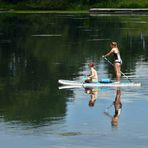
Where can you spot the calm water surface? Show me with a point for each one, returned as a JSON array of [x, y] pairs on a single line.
[[38, 49]]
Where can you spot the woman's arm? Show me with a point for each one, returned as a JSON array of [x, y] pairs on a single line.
[[109, 53], [92, 74]]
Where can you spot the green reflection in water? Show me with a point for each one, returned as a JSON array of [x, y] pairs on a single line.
[[38, 49]]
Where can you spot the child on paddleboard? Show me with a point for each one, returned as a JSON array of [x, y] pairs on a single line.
[[93, 76]]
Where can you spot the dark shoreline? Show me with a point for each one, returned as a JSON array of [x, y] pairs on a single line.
[[118, 11], [42, 11], [93, 11]]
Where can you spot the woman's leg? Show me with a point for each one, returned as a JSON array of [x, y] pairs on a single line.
[[118, 71], [88, 80]]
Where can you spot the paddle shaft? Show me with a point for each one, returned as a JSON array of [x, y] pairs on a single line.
[[120, 70]]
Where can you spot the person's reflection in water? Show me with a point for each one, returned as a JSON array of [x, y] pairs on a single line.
[[93, 92], [117, 106]]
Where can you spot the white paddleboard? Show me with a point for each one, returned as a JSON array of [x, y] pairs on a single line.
[[99, 84]]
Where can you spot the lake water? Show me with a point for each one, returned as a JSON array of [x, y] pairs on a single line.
[[36, 50]]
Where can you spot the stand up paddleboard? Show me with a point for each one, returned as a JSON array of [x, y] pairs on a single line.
[[99, 84]]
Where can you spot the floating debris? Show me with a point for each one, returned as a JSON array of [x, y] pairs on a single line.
[[98, 39], [47, 35]]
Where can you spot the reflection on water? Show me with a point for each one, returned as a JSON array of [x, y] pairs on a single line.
[[93, 92], [38, 49], [117, 107]]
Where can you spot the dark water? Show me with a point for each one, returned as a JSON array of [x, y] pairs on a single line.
[[38, 49]]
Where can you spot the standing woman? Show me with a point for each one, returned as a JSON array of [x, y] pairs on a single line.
[[117, 59]]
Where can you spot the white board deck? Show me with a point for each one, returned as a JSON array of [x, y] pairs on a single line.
[[98, 84]]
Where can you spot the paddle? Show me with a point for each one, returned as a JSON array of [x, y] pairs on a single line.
[[107, 108], [113, 66]]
